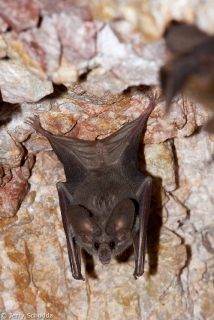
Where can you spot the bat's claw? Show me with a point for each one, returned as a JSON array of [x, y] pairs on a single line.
[[35, 123], [78, 277], [155, 97], [32, 121], [138, 274]]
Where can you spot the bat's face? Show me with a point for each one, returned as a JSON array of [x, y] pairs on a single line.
[[104, 238]]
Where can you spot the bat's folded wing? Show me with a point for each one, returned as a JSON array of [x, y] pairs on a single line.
[[122, 145], [80, 156]]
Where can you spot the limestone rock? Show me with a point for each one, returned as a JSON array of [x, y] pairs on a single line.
[[20, 14], [3, 47], [13, 191], [125, 64], [34, 247], [3, 25], [11, 153], [101, 57], [51, 51], [38, 48], [195, 162], [19, 85], [160, 163], [152, 17]]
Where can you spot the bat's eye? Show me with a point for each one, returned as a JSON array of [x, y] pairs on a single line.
[[96, 245], [112, 245]]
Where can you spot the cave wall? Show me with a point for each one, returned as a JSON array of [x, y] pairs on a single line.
[[87, 68]]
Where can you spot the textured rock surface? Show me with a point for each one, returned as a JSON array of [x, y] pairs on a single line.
[[196, 193], [14, 188], [34, 248], [21, 14], [152, 17], [60, 41], [18, 84], [34, 255], [92, 116], [68, 43]]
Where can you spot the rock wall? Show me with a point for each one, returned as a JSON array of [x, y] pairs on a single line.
[[87, 68]]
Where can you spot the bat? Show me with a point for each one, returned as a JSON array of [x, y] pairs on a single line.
[[105, 200], [191, 69]]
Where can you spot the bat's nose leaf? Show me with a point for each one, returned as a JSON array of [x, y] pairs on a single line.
[[104, 255]]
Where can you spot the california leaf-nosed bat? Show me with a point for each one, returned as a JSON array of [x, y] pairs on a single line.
[[191, 68], [105, 200]]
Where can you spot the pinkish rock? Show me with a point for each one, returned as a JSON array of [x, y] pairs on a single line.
[[122, 60], [41, 47], [14, 191], [18, 84], [160, 163], [3, 47], [20, 14], [77, 34], [3, 25], [11, 152]]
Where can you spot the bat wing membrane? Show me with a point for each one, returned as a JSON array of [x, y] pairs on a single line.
[[78, 157]]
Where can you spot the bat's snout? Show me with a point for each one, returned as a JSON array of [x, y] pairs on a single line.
[[105, 262], [104, 255]]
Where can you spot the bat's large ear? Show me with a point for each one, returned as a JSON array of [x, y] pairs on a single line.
[[121, 219], [82, 224]]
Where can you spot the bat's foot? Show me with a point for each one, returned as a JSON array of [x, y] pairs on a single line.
[[35, 123], [154, 99], [138, 274], [78, 277]]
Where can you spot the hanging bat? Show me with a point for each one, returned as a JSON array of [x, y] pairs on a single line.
[[191, 69], [105, 200]]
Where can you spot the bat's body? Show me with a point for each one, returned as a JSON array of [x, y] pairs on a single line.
[[191, 69], [105, 199]]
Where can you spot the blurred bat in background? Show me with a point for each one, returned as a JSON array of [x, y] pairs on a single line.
[[191, 68]]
